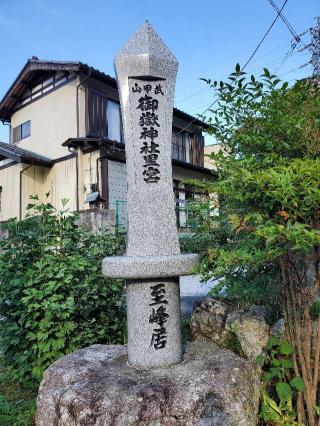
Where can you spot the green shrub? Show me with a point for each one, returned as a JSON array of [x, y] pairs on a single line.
[[281, 384], [17, 400], [265, 239], [53, 296]]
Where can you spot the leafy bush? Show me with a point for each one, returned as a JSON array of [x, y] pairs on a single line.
[[53, 296], [250, 283], [280, 382], [265, 241]]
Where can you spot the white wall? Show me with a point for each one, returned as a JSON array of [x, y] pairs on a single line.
[[53, 120]]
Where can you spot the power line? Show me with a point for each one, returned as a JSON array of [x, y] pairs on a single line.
[[204, 101], [294, 69], [275, 65], [296, 36], [264, 37], [192, 95], [286, 22], [285, 58], [246, 64], [291, 51]]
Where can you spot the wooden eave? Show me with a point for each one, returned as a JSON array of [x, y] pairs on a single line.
[[20, 155], [116, 151], [35, 69]]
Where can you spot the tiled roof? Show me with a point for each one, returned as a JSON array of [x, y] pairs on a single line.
[[35, 65], [20, 155]]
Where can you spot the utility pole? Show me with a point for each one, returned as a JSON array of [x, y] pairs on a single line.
[[315, 48]]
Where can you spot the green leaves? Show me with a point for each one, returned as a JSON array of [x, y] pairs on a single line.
[[284, 391], [266, 73], [298, 384], [285, 348], [281, 414], [53, 296], [278, 369], [266, 206], [287, 363]]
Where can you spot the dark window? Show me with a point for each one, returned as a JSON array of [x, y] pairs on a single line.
[[21, 132], [97, 114], [103, 117], [181, 145], [196, 152]]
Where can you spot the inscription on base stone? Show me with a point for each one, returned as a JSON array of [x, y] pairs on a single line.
[[158, 316]]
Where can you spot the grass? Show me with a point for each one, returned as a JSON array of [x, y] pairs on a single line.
[[17, 401]]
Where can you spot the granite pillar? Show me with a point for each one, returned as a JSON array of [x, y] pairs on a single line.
[[146, 74]]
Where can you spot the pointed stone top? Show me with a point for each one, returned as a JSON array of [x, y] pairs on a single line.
[[146, 42]]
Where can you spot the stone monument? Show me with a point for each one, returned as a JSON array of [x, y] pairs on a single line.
[[96, 385], [146, 74]]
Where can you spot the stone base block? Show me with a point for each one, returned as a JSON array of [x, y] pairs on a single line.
[[154, 325], [96, 387]]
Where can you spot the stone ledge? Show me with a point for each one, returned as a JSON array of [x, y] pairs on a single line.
[[96, 387], [140, 267]]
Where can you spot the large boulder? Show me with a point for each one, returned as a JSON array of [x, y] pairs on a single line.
[[251, 330], [244, 331], [209, 319], [96, 387]]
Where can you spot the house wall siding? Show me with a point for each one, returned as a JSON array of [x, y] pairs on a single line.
[[61, 183], [53, 120], [33, 183], [89, 165], [9, 180]]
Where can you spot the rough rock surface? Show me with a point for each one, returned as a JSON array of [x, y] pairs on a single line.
[[95, 386], [214, 319], [251, 329], [278, 327], [209, 319]]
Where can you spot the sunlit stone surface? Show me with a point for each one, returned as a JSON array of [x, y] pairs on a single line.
[[146, 73]]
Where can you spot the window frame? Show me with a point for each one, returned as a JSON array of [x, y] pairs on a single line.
[[181, 150], [17, 132], [26, 124], [120, 121]]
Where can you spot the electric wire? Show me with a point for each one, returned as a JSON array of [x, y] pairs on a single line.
[[246, 64], [296, 36], [264, 37], [204, 101]]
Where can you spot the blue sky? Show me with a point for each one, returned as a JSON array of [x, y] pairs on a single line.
[[208, 37]]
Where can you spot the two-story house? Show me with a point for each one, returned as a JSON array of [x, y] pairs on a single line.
[[66, 139]]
